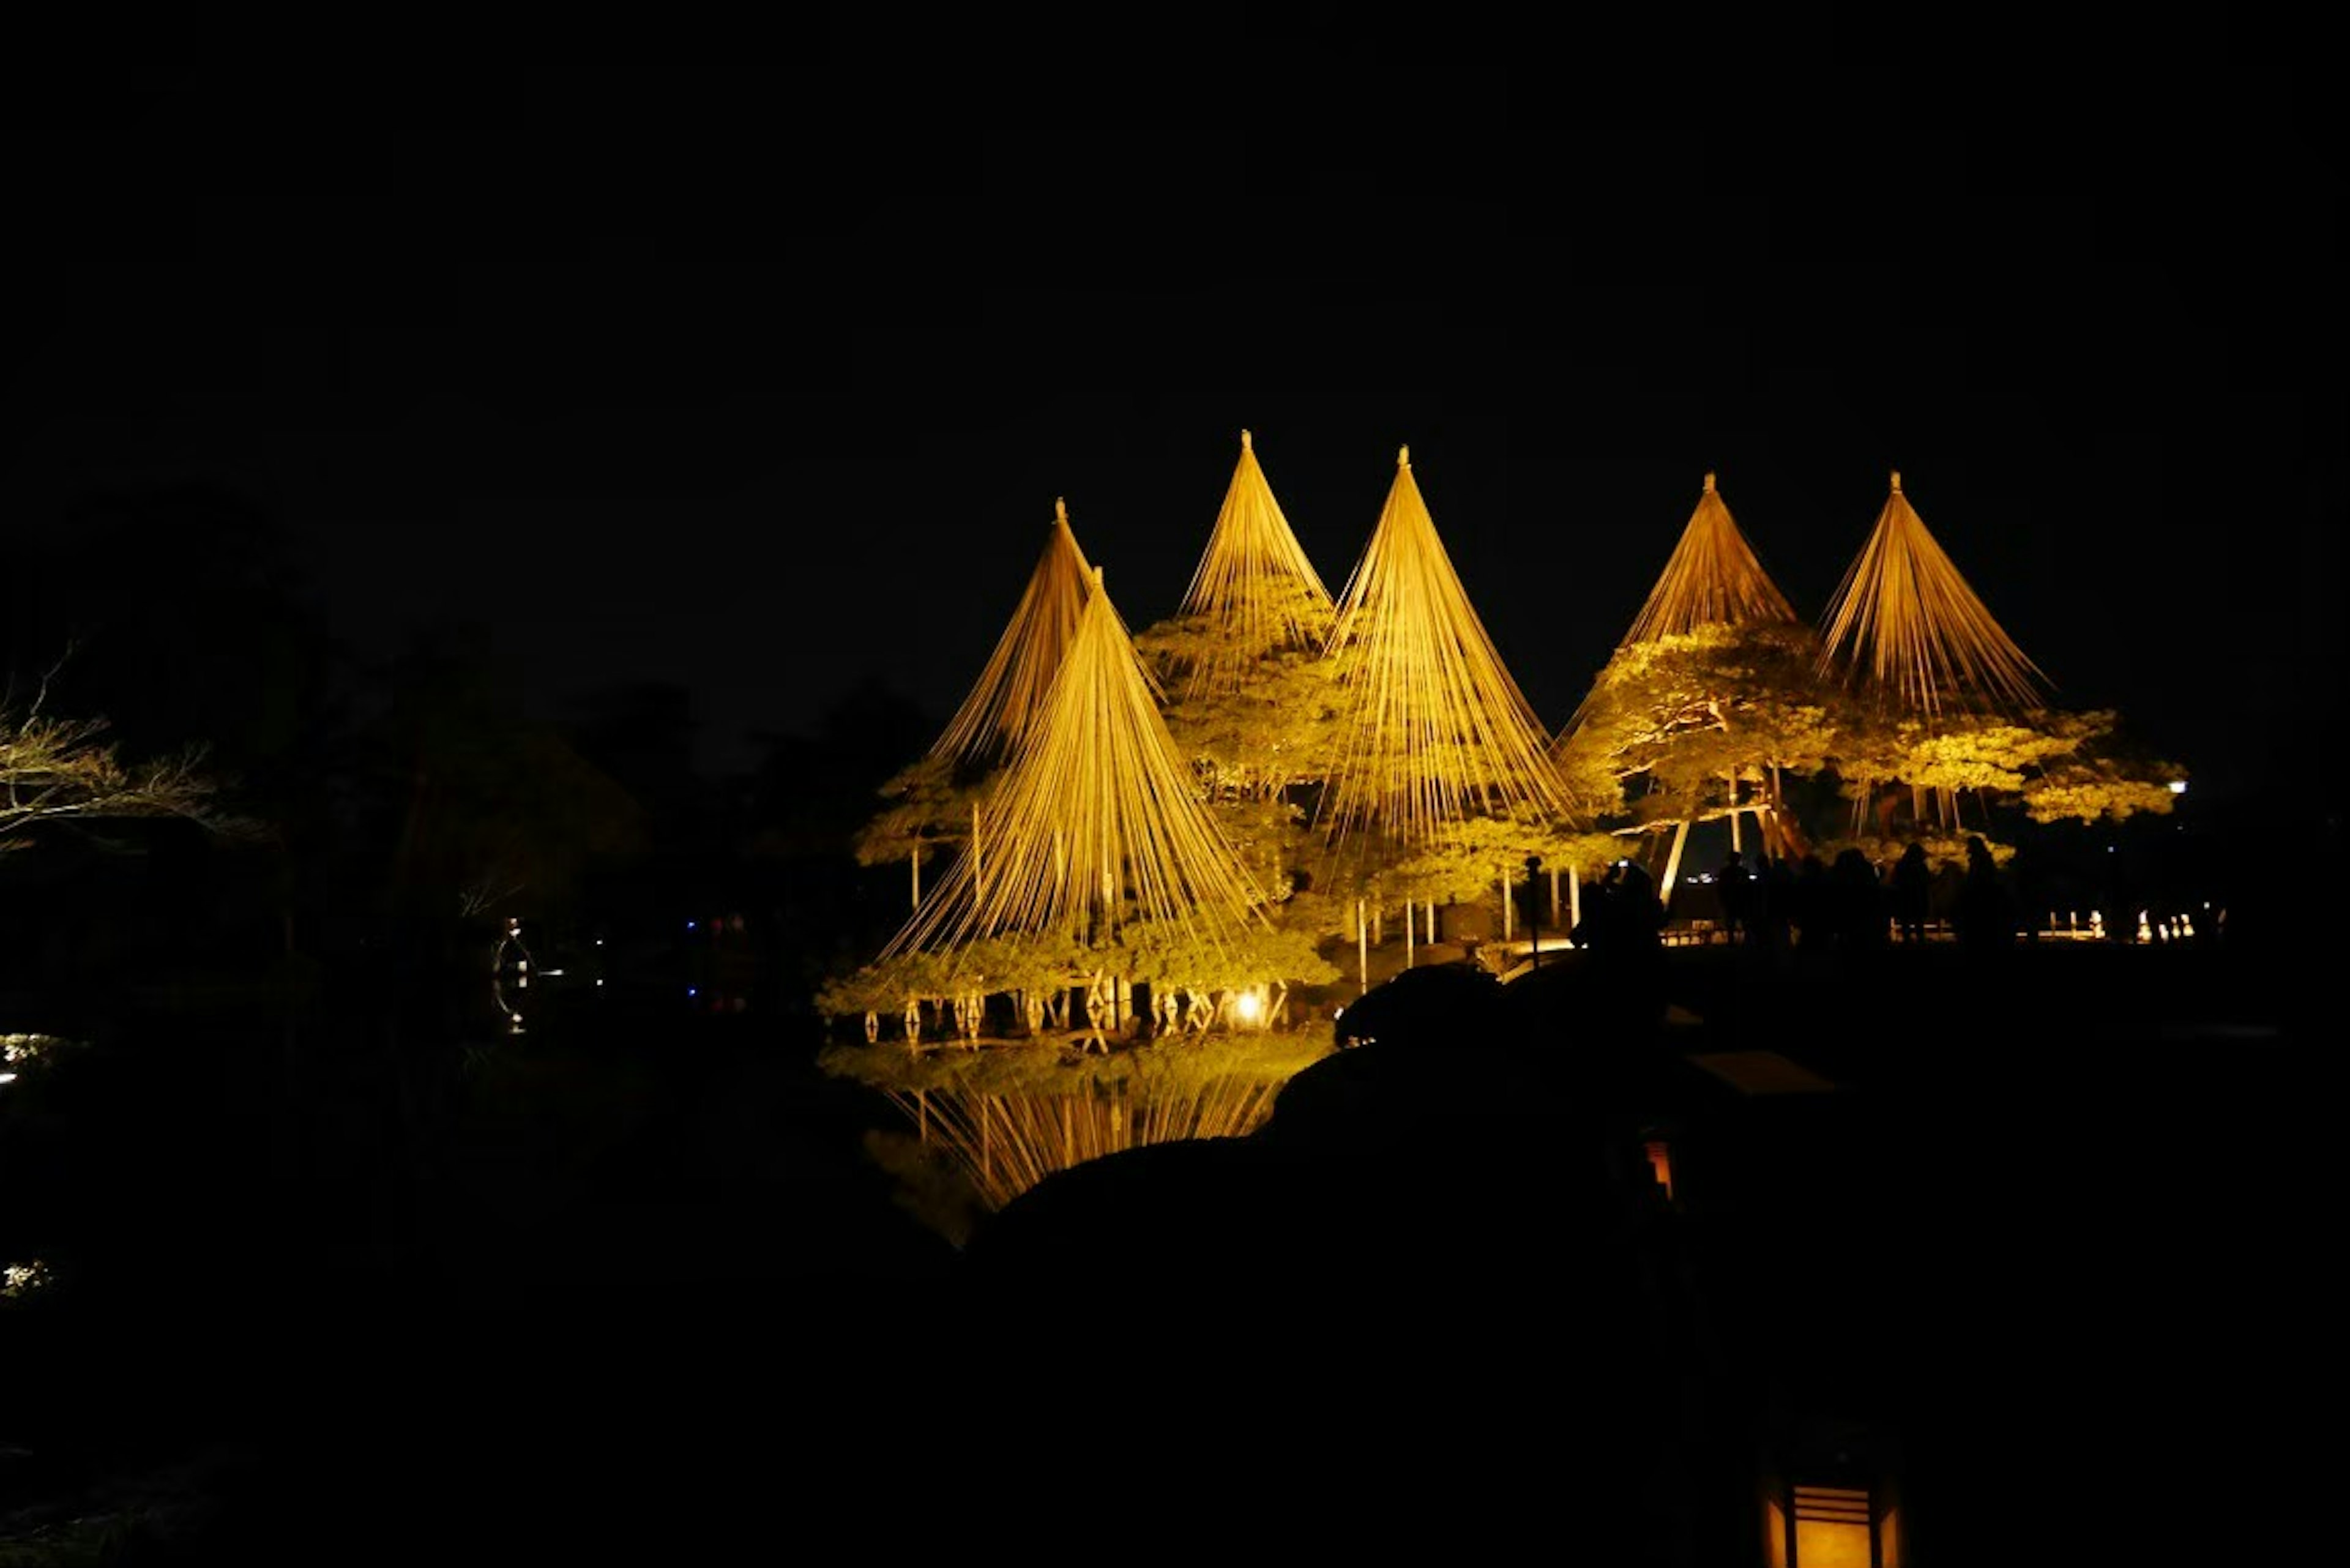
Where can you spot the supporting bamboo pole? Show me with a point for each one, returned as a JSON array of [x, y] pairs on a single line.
[[915, 860], [1673, 863], [1362, 947], [1509, 924], [1406, 934], [1574, 898], [1553, 896]]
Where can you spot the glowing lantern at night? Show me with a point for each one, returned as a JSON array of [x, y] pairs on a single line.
[[1833, 1504]]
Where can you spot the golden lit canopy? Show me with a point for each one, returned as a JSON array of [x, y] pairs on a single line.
[[1008, 700], [1254, 587], [1097, 808], [1436, 729], [1905, 622]]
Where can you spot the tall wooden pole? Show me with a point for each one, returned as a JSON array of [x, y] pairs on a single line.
[[1673, 863]]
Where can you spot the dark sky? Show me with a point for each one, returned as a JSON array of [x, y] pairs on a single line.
[[772, 438]]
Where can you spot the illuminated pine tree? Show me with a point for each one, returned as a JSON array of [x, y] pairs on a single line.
[[1711, 692], [1947, 707]]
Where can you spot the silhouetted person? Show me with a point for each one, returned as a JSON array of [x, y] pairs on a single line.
[[1986, 911], [1913, 892], [1642, 913], [1857, 902], [1596, 929], [1775, 901], [1735, 887], [1809, 912]]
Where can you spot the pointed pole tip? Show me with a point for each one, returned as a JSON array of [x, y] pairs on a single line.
[[1896, 481], [1244, 441], [1709, 482], [1060, 509], [1403, 457]]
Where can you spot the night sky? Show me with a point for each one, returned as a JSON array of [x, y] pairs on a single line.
[[778, 440]]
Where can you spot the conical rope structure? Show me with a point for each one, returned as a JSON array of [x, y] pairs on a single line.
[[1714, 577], [1008, 700], [1254, 590], [1436, 730], [1905, 626], [1095, 821]]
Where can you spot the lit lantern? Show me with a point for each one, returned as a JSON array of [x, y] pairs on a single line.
[[1660, 1163], [1833, 1504]]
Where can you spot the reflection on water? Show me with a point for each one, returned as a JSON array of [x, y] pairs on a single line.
[[977, 1127], [1003, 1144]]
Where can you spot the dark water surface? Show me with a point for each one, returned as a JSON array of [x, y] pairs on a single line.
[[339, 1266], [345, 1281]]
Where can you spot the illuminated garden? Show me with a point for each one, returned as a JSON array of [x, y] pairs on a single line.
[[1145, 871]]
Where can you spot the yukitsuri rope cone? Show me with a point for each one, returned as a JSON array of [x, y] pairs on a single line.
[[1254, 591], [1906, 633], [1437, 730], [1096, 808], [1007, 701], [1904, 626]]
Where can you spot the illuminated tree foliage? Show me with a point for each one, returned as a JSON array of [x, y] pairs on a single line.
[[1708, 700], [58, 771], [1946, 707], [2054, 764]]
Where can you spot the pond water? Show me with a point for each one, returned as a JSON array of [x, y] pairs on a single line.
[[247, 1221]]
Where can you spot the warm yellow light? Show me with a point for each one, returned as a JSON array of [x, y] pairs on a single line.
[[1831, 1544], [1661, 1161], [1832, 1528], [1250, 1007]]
